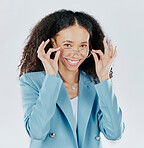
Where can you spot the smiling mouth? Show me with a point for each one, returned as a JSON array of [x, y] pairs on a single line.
[[72, 63]]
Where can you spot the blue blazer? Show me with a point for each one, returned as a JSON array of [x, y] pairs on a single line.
[[48, 115]]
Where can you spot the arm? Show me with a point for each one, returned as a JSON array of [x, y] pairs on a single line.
[[110, 114], [39, 106]]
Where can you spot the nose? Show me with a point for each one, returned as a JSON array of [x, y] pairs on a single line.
[[77, 53]]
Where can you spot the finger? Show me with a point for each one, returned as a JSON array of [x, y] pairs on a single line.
[[41, 44], [40, 47], [114, 55], [99, 52], [111, 48], [57, 56], [50, 51], [115, 52], [95, 57], [45, 43], [106, 50]]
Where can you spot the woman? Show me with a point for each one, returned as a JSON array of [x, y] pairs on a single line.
[[66, 85]]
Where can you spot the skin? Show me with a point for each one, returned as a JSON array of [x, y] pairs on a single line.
[[103, 65], [76, 34]]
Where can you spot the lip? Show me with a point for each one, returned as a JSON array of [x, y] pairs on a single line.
[[71, 63]]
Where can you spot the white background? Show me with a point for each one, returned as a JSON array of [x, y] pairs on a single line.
[[122, 21]]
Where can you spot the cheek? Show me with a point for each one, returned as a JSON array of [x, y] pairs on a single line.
[[61, 59]]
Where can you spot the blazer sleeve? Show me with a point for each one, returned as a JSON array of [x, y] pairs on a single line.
[[39, 105], [109, 114]]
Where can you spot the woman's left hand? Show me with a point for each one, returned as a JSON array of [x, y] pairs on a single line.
[[103, 65]]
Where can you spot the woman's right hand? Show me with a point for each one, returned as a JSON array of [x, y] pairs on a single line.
[[50, 65]]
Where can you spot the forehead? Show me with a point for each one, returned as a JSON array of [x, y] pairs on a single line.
[[73, 33]]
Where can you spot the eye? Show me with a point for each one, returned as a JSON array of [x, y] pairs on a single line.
[[66, 44], [84, 45]]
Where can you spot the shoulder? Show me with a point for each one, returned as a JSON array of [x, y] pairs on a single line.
[[33, 78], [35, 74]]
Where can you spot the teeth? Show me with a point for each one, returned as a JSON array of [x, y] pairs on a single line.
[[73, 61]]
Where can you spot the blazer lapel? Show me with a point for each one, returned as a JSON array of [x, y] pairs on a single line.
[[85, 103], [65, 105]]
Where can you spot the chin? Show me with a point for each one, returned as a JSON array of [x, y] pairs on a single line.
[[72, 69]]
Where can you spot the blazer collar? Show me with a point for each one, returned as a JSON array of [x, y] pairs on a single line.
[[85, 103]]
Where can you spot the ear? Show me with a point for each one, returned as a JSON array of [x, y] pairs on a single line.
[[53, 43]]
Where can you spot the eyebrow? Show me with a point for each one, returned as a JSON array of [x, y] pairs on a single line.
[[72, 41]]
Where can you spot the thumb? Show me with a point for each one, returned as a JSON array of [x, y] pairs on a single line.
[[95, 57], [57, 56]]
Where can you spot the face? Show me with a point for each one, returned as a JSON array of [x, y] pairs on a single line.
[[74, 37]]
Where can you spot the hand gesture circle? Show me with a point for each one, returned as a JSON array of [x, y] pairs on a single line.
[[103, 65], [50, 65]]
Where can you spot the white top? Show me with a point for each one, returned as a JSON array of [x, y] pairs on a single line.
[[74, 103]]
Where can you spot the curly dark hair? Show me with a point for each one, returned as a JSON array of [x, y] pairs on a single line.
[[48, 27]]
